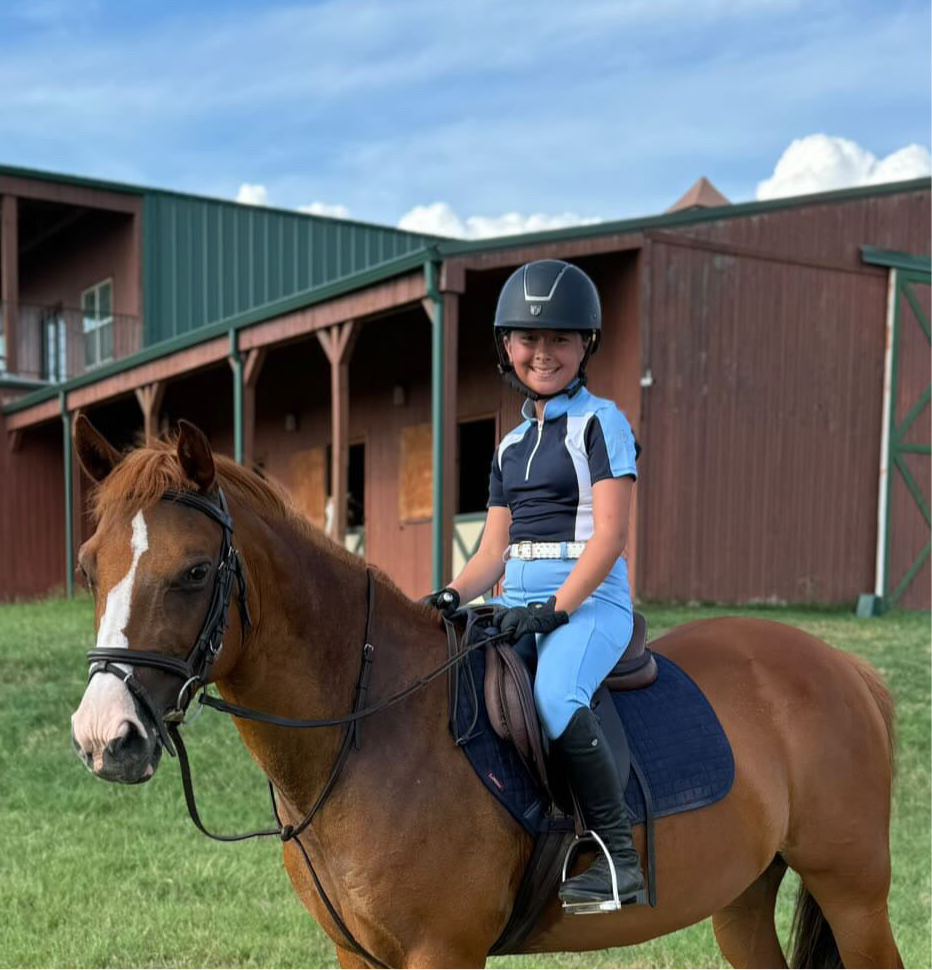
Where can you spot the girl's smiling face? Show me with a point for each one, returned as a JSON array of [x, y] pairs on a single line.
[[545, 360]]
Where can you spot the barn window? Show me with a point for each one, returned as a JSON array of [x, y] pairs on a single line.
[[415, 484], [476, 447], [355, 485], [97, 310]]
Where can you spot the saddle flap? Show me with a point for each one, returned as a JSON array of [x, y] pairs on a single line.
[[509, 698]]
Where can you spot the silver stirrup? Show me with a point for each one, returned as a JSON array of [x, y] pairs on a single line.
[[596, 906]]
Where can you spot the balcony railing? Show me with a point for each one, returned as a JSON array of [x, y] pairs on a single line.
[[55, 344]]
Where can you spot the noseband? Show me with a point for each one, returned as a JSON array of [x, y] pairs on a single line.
[[194, 670]]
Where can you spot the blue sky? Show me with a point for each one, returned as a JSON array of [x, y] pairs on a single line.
[[593, 109]]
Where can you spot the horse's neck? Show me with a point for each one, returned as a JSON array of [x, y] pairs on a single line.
[[304, 656]]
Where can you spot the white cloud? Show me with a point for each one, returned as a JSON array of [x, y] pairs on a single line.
[[819, 163], [253, 194], [440, 219], [335, 211], [436, 219]]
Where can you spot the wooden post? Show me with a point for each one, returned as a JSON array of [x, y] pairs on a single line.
[[338, 342], [150, 398], [252, 368], [9, 280]]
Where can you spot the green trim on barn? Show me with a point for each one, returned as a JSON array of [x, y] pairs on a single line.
[[437, 409], [908, 271], [68, 479], [896, 260]]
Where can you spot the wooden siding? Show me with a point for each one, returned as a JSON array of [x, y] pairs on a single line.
[[32, 513], [764, 428], [99, 246], [830, 232]]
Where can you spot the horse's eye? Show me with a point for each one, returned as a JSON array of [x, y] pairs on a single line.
[[197, 574]]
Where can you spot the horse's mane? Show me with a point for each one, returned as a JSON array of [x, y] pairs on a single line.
[[152, 468]]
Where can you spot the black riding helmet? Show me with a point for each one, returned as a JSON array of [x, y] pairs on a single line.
[[547, 294]]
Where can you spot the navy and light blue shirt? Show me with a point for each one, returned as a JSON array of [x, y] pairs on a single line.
[[543, 471]]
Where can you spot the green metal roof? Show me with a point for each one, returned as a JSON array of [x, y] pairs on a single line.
[[206, 260], [437, 251]]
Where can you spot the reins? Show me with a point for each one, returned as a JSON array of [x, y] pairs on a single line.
[[194, 672], [288, 833], [218, 704]]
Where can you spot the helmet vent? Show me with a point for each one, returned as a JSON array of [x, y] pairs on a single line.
[[544, 277]]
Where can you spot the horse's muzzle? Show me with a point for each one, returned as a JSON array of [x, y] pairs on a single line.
[[128, 758]]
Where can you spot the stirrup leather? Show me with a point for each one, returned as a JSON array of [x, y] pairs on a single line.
[[604, 905]]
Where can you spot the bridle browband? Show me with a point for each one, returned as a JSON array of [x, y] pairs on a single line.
[[194, 672]]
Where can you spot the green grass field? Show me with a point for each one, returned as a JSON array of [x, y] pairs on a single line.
[[97, 875]]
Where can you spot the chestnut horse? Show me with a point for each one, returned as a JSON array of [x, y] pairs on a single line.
[[419, 860]]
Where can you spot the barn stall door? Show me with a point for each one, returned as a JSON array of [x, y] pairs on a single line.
[[903, 572]]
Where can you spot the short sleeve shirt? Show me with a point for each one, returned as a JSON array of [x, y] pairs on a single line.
[[543, 471]]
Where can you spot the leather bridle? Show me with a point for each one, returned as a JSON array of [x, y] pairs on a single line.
[[194, 671]]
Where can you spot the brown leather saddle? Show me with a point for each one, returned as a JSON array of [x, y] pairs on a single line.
[[509, 694]]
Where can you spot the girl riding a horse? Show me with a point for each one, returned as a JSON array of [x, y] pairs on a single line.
[[559, 497]]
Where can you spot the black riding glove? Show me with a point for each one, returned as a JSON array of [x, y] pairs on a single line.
[[446, 600], [533, 618]]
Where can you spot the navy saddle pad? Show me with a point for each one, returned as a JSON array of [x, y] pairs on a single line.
[[672, 731]]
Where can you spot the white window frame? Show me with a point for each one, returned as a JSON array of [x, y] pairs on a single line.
[[93, 325]]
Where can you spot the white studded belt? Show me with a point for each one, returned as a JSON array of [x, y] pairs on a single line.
[[545, 550]]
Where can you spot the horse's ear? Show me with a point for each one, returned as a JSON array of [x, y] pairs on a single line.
[[97, 456], [195, 456]]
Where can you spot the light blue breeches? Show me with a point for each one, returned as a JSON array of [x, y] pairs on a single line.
[[573, 660]]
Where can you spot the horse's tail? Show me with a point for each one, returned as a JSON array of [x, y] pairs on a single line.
[[882, 698], [811, 938]]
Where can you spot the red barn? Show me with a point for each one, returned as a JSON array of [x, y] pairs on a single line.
[[772, 357]]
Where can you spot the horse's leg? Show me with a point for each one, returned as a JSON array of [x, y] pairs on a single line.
[[840, 848], [854, 902], [745, 930]]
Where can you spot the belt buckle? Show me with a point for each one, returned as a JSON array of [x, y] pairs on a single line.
[[525, 549]]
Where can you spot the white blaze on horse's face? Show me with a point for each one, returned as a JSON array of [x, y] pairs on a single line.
[[107, 709]]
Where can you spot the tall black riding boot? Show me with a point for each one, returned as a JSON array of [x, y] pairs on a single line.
[[593, 777]]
